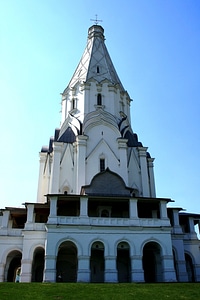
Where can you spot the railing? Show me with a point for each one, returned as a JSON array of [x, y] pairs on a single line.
[[96, 221], [10, 231]]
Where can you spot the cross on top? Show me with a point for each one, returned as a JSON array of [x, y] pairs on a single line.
[[96, 21]]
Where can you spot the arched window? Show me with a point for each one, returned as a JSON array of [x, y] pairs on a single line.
[[99, 99]]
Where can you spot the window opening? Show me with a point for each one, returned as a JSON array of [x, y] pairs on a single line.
[[99, 99], [98, 69], [102, 164], [73, 103]]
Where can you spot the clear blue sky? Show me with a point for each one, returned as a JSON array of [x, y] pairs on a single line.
[[155, 47]]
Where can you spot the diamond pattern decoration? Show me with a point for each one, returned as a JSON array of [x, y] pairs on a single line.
[[95, 62]]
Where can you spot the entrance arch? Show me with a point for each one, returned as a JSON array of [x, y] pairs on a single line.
[[13, 262], [152, 263], [123, 262], [189, 268], [38, 265], [66, 266], [97, 263]]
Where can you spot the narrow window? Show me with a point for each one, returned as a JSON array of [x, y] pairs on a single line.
[[97, 69], [102, 164], [99, 99], [73, 103]]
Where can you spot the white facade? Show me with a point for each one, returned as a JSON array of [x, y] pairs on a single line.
[[97, 218]]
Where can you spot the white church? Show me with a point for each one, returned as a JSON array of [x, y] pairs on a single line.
[[97, 217]]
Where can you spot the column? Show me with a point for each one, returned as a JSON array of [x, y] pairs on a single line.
[[151, 177], [83, 273], [83, 207], [84, 210], [133, 208], [110, 274], [163, 210], [176, 226], [122, 146], [142, 151], [30, 213], [55, 173], [53, 210], [191, 225], [133, 212], [81, 143], [137, 273], [5, 219]]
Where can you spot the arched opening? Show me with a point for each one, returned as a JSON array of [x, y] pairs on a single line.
[[97, 264], [66, 266], [189, 268], [38, 265], [123, 262], [152, 263], [13, 262]]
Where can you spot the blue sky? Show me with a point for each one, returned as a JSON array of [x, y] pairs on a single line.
[[155, 47]]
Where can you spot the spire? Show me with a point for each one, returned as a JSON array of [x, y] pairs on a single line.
[[96, 62]]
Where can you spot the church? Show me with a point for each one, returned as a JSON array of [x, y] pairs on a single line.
[[97, 217]]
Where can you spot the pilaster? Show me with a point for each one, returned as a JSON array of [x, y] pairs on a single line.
[[55, 173], [5, 219], [169, 274], [137, 273], [50, 268], [81, 143], [30, 213], [53, 210], [83, 273], [26, 267], [40, 193], [111, 274], [142, 151], [2, 266], [151, 177], [122, 146]]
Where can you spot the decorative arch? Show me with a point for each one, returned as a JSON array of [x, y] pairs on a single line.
[[69, 239], [124, 240], [157, 241], [101, 241]]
